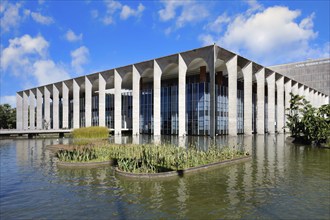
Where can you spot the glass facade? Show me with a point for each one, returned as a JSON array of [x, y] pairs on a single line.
[[109, 111], [146, 109], [169, 107], [95, 110], [197, 107], [126, 110]]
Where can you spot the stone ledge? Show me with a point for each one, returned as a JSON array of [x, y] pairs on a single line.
[[181, 172]]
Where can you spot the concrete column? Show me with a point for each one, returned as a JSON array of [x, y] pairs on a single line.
[[288, 89], [25, 111], [306, 93], [300, 89], [65, 105], [19, 112], [295, 88], [117, 98], [136, 100], [319, 99], [88, 102], [271, 103], [32, 110], [260, 75], [325, 100], [232, 95], [102, 84], [55, 107], [157, 103], [76, 108], [313, 98], [46, 121], [247, 74], [211, 65], [39, 109], [280, 104], [182, 70]]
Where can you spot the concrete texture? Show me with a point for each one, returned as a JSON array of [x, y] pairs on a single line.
[[247, 74]]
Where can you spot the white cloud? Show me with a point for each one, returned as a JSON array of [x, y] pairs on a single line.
[[254, 5], [42, 19], [27, 59], [169, 12], [127, 12], [10, 17], [268, 35], [218, 24], [79, 58], [113, 8], [46, 72], [22, 52], [188, 12], [72, 37], [9, 99], [41, 2]]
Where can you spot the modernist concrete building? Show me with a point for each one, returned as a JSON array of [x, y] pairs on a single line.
[[205, 91], [313, 73]]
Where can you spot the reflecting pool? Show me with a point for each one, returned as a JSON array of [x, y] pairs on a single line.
[[281, 181]]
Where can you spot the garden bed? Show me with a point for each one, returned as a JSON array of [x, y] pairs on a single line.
[[183, 172]]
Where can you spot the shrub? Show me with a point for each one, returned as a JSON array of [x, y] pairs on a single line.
[[307, 122], [91, 132]]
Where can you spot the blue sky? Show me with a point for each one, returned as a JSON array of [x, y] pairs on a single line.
[[47, 41]]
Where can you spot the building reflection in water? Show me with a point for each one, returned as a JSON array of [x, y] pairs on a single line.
[[223, 188]]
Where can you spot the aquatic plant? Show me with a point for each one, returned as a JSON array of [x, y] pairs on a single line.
[[152, 158], [91, 132], [77, 155]]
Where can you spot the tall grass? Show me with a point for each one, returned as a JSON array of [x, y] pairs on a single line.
[[153, 158], [91, 132]]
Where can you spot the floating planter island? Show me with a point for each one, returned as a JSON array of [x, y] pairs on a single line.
[[148, 161], [183, 172]]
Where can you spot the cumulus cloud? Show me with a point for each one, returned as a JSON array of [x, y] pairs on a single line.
[[39, 18], [79, 58], [115, 8], [72, 37], [267, 35], [111, 8], [46, 71], [10, 17], [127, 12], [188, 12], [218, 24], [26, 57], [22, 52]]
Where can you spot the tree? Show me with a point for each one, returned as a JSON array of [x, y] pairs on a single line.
[[293, 116], [306, 122], [7, 117]]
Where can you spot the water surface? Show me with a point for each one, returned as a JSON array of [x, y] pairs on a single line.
[[280, 182]]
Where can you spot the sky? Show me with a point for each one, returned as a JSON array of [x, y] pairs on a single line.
[[48, 41]]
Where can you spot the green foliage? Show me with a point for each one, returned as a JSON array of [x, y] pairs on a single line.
[[307, 122], [91, 132], [7, 117], [77, 155], [149, 158], [293, 116], [154, 159]]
